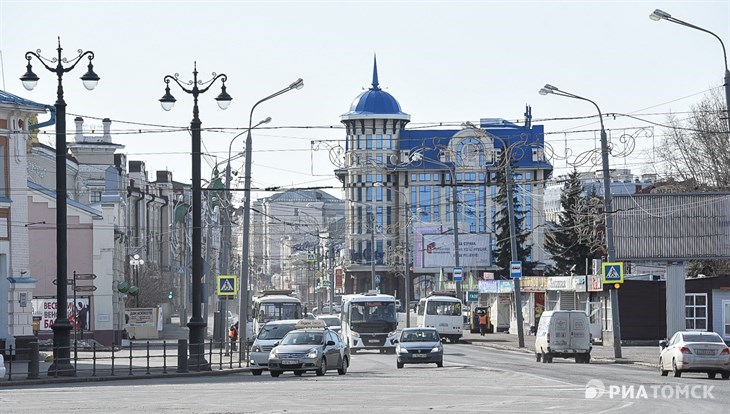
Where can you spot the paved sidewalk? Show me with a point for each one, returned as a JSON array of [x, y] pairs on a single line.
[[641, 355]]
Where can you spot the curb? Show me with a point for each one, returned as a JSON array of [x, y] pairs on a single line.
[[71, 380]]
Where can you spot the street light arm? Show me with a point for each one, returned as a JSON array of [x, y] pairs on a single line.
[[230, 145], [295, 85], [574, 96], [666, 16]]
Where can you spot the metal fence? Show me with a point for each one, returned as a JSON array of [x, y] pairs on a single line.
[[138, 358]]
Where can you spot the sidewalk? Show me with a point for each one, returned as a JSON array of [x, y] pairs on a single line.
[[640, 355]]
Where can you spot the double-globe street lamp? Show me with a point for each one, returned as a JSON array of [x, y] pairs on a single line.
[[196, 324], [61, 365], [243, 311], [662, 15], [135, 262], [607, 209]]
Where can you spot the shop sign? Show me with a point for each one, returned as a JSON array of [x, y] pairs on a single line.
[[533, 284], [560, 283]]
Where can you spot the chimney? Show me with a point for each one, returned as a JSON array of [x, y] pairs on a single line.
[[79, 129], [107, 127]]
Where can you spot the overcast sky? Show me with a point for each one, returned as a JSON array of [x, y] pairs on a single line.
[[445, 62]]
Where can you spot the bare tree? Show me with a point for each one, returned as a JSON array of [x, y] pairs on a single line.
[[696, 149]]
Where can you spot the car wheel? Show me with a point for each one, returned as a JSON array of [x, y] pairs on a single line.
[[343, 370], [399, 365], [538, 357], [677, 373], [256, 371], [298, 373], [322, 367], [549, 358], [440, 364], [725, 375], [587, 359], [544, 358], [711, 375], [275, 373]]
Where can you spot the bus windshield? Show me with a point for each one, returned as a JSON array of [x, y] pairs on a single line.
[[443, 308], [279, 311], [372, 312]]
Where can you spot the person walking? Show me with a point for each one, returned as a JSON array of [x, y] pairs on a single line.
[[482, 323], [233, 336]]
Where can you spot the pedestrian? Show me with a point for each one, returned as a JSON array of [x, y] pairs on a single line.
[[482, 323], [233, 335]]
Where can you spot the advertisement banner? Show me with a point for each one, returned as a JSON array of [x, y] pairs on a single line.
[[560, 283], [438, 250], [488, 286], [595, 283], [141, 317], [533, 284], [45, 309]]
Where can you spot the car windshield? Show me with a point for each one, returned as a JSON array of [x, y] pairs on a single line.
[[701, 338], [303, 338], [419, 336], [269, 332], [331, 320]]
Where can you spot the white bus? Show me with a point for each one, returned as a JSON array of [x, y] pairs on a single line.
[[275, 305], [369, 322], [441, 310]]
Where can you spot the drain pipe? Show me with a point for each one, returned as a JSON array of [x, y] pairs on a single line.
[[52, 121]]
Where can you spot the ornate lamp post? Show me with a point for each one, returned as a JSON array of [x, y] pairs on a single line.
[[196, 324], [62, 326], [662, 15], [135, 262], [607, 210], [298, 84]]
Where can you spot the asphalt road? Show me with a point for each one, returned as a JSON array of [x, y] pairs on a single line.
[[473, 379]]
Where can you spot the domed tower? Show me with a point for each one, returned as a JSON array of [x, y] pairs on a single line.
[[373, 123]]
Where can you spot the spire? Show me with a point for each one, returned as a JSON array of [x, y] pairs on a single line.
[[376, 86]]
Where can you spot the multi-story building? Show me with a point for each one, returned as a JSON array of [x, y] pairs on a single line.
[[398, 180]]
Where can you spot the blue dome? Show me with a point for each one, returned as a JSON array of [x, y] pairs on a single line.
[[375, 103]]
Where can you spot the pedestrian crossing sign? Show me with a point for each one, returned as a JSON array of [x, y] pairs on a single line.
[[227, 285], [613, 272]]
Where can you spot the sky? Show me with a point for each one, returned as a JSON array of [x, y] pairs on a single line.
[[446, 62]]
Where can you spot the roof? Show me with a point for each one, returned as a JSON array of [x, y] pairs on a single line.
[[303, 196], [375, 103], [94, 213], [8, 98]]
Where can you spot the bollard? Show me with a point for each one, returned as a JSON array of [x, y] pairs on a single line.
[[182, 355], [34, 361]]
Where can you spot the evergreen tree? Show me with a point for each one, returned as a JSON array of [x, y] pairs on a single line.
[[573, 240], [502, 255]]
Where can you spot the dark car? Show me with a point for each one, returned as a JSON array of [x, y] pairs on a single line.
[[310, 349], [419, 346]]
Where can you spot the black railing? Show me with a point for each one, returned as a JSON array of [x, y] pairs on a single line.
[[138, 358]]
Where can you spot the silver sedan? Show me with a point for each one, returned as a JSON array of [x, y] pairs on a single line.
[[692, 351]]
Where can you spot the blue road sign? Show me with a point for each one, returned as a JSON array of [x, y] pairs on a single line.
[[457, 274], [515, 269], [613, 272]]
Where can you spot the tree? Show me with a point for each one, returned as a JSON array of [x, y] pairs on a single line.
[[696, 158], [573, 242], [502, 254]]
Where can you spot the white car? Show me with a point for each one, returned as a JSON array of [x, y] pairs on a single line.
[[693, 351], [2, 367]]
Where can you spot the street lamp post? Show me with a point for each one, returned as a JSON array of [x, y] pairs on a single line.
[[298, 84], [512, 228], [61, 365], [196, 324], [662, 15], [607, 210], [135, 262]]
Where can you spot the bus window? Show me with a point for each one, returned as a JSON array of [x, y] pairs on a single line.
[[443, 308]]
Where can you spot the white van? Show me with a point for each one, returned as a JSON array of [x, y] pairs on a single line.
[[441, 310], [563, 334]]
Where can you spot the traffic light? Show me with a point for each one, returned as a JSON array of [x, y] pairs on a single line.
[[169, 295]]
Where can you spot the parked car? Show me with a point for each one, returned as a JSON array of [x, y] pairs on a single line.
[[333, 322], [269, 334], [563, 334], [312, 348], [2, 367], [692, 351], [419, 346]]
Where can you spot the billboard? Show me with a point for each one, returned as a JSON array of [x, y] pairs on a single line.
[[669, 227], [438, 250], [44, 309]]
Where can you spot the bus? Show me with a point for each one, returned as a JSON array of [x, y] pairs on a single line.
[[369, 322], [441, 310], [275, 305]]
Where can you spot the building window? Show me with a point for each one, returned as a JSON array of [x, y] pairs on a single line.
[[386, 141], [695, 311], [379, 141], [726, 317], [4, 182], [369, 144], [95, 197]]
